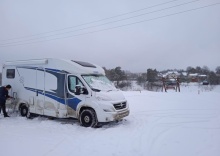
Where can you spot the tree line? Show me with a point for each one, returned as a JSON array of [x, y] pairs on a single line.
[[123, 78]]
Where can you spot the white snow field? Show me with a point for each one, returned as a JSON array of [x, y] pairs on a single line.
[[159, 124]]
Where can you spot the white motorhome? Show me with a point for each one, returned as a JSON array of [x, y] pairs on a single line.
[[64, 89]]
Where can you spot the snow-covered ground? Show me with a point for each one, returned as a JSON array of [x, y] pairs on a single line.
[[160, 124]]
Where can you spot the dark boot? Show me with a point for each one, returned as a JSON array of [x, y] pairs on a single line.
[[4, 110], [6, 116]]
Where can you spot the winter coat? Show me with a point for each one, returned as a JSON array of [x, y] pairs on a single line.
[[3, 95]]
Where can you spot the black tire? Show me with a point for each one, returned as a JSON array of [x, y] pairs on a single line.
[[24, 111], [88, 118]]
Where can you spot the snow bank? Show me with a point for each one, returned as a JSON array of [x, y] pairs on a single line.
[[160, 124]]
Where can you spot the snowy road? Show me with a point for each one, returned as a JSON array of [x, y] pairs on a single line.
[[160, 124]]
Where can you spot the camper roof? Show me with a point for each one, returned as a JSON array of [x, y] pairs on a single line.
[[71, 66]]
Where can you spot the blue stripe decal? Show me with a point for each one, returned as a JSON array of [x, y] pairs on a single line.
[[27, 67], [58, 99], [72, 102], [48, 69], [53, 70]]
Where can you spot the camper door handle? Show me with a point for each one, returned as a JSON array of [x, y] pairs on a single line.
[[67, 95], [37, 93]]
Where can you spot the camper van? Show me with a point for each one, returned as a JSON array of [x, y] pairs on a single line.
[[64, 89]]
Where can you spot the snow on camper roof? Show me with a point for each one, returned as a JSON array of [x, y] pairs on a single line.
[[84, 64], [27, 62]]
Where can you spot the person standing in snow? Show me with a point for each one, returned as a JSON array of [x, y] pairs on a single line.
[[3, 97]]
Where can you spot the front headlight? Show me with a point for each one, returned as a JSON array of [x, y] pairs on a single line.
[[106, 106], [108, 110]]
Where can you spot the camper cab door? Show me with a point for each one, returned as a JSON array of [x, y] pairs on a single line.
[[74, 98], [40, 91]]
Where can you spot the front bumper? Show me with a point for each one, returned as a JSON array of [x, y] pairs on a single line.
[[113, 116], [121, 115]]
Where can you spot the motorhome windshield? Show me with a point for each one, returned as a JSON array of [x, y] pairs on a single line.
[[99, 82]]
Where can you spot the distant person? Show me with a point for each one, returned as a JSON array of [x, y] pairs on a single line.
[[3, 97]]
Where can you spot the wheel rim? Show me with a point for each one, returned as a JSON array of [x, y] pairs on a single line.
[[24, 111], [87, 119]]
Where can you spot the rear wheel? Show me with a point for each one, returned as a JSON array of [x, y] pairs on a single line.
[[24, 111], [88, 118]]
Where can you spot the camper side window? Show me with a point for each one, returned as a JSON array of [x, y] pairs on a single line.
[[72, 82], [10, 73]]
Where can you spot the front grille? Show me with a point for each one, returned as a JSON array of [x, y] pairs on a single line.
[[119, 106]]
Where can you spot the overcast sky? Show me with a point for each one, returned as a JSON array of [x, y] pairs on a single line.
[[133, 34]]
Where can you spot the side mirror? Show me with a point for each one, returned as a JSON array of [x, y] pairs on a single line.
[[80, 90], [84, 91]]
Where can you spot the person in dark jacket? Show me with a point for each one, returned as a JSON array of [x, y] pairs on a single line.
[[3, 97]]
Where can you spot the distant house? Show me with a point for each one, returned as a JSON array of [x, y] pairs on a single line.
[[203, 78], [197, 77], [184, 74], [171, 75], [193, 77]]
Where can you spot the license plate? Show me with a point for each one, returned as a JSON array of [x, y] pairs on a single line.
[[119, 116]]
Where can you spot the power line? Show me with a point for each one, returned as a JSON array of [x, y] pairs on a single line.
[[119, 26], [100, 24], [28, 36]]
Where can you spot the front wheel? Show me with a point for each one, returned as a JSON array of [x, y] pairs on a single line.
[[88, 118]]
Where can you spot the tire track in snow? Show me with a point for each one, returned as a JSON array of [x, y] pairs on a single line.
[[161, 120]]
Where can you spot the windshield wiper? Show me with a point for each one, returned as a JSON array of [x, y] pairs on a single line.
[[96, 90]]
